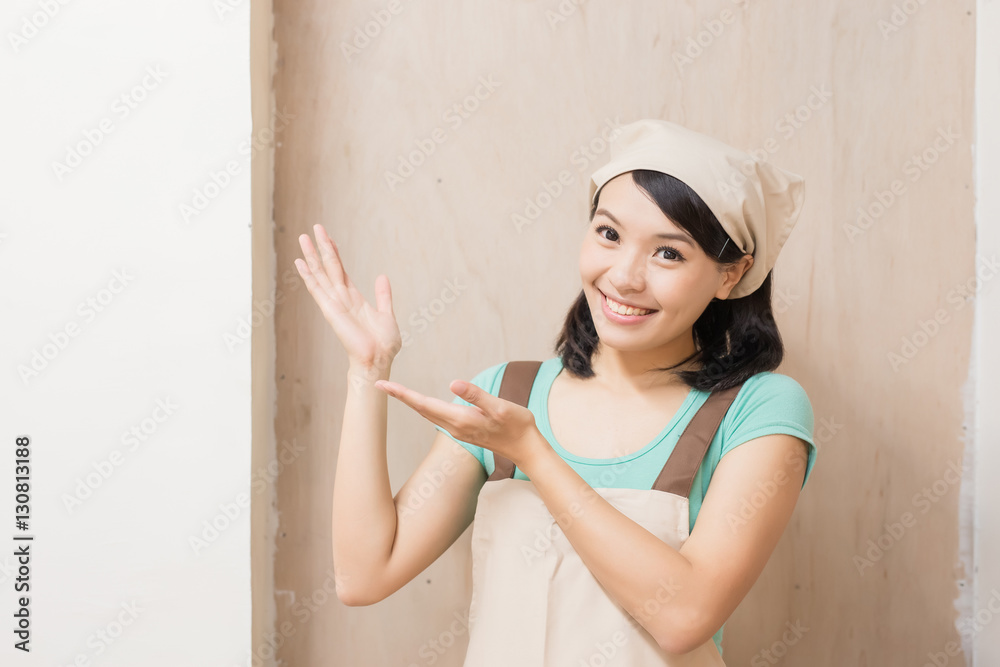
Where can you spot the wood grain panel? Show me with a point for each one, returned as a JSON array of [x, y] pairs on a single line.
[[480, 109]]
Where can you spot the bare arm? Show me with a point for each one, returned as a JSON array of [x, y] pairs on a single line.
[[364, 516], [682, 597], [381, 542]]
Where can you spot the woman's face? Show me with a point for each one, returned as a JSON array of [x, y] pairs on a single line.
[[624, 257]]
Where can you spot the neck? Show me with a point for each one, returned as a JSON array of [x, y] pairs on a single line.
[[627, 371]]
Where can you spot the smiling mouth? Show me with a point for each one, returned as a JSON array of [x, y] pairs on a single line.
[[623, 310]]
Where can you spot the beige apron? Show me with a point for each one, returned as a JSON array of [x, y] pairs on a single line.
[[534, 602]]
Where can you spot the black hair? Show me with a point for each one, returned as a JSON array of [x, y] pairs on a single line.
[[735, 338]]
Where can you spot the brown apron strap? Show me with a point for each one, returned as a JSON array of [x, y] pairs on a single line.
[[515, 387], [678, 472]]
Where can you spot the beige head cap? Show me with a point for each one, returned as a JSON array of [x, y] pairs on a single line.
[[756, 202]]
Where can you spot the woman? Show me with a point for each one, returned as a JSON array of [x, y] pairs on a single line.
[[585, 487]]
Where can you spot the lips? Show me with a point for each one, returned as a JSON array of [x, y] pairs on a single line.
[[651, 310]]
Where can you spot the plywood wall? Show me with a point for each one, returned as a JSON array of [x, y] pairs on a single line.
[[419, 132]]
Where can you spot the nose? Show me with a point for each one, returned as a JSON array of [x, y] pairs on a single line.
[[628, 273]]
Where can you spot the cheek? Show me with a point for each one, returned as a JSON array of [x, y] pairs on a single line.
[[678, 292], [702, 285], [589, 263], [699, 296]]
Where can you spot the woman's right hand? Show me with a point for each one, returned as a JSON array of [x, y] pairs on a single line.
[[370, 335]]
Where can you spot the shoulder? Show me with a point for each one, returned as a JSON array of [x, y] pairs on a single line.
[[769, 403], [772, 397], [772, 381]]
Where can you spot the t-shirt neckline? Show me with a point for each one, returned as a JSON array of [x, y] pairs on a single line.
[[543, 422]]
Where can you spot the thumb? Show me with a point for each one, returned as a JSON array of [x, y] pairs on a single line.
[[383, 294], [474, 395]]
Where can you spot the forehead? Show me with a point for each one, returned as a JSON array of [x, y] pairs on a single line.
[[623, 202], [621, 191]]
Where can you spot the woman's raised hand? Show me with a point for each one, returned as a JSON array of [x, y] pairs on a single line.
[[370, 335]]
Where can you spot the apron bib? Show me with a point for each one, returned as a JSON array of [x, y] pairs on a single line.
[[534, 601]]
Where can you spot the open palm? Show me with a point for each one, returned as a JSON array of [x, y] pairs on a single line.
[[370, 335]]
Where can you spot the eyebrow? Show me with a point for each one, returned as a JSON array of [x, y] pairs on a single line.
[[677, 237]]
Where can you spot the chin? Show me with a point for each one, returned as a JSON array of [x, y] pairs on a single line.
[[622, 340]]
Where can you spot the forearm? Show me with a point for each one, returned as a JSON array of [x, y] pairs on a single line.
[[364, 513], [647, 577]]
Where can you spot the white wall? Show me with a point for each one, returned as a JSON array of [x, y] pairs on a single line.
[[168, 291]]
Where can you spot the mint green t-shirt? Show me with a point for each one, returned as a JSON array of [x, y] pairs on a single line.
[[766, 403]]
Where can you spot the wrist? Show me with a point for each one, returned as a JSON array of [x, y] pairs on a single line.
[[539, 455], [360, 375]]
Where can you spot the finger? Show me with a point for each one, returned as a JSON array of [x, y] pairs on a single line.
[[312, 261], [330, 305], [446, 414], [356, 297], [334, 267], [482, 399], [329, 243], [319, 270]]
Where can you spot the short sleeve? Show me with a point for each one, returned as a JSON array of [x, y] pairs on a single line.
[[488, 380], [770, 403]]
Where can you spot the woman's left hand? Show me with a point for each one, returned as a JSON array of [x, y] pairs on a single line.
[[491, 422]]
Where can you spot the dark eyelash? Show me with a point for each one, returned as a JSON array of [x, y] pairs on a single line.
[[672, 249], [677, 252]]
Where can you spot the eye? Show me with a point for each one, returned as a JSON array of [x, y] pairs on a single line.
[[601, 228], [675, 255]]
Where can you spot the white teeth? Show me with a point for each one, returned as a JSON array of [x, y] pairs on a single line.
[[624, 310]]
